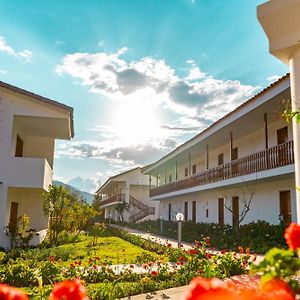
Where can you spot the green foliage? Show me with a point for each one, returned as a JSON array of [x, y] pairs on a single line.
[[278, 263], [254, 235], [19, 233], [121, 208], [66, 212]]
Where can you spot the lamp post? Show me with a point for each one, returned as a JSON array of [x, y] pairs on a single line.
[[179, 219], [161, 224]]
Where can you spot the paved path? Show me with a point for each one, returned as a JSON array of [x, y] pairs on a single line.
[[176, 293]]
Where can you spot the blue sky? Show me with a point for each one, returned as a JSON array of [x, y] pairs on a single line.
[[143, 76]]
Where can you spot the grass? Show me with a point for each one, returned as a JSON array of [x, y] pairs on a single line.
[[106, 248]]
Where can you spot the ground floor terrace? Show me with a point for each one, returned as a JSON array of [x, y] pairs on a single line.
[[271, 200], [15, 202]]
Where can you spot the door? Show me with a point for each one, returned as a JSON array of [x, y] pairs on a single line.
[[285, 207], [194, 212], [282, 137], [235, 211], [13, 216], [221, 210], [186, 211], [234, 166], [19, 147], [220, 162], [170, 211]]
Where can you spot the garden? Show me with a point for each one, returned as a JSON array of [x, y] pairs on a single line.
[[85, 259]]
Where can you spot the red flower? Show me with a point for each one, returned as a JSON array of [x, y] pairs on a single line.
[[52, 258], [292, 236], [192, 251], [223, 251], [181, 258], [208, 242], [10, 293], [154, 273], [169, 245], [68, 290], [277, 289], [208, 255], [241, 249]]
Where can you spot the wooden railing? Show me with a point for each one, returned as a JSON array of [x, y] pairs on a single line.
[[142, 214], [277, 156], [113, 199]]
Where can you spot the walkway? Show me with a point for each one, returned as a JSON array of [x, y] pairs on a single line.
[[176, 293]]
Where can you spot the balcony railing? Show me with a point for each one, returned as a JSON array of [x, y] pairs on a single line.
[[277, 156], [113, 200]]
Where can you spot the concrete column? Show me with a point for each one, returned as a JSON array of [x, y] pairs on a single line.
[[294, 64]]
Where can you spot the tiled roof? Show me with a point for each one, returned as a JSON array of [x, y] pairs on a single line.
[[271, 86]]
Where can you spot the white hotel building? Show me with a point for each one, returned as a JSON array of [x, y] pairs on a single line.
[[29, 125], [246, 156]]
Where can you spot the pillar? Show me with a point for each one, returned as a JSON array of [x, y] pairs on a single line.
[[294, 64]]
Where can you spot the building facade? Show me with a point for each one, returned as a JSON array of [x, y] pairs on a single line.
[[238, 170], [29, 125], [130, 187]]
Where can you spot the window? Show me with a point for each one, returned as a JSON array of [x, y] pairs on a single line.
[[186, 172], [19, 147], [207, 213], [194, 169], [170, 178]]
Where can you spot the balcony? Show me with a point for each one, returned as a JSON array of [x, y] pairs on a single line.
[[277, 156], [112, 200], [27, 172]]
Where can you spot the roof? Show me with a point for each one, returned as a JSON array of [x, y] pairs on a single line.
[[112, 177], [41, 99], [252, 99]]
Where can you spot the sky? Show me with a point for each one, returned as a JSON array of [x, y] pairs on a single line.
[[143, 76]]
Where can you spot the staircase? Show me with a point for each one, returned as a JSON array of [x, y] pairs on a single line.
[[143, 210]]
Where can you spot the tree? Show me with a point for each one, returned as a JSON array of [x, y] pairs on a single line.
[[97, 202], [121, 208], [245, 200], [55, 202]]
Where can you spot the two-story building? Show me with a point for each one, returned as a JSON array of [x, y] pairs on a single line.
[[131, 187], [29, 125], [239, 169]]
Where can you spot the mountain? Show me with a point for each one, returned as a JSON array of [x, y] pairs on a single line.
[[85, 195]]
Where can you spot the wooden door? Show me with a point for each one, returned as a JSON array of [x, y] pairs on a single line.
[[194, 211], [13, 216], [221, 159], [186, 211], [235, 211], [221, 210], [19, 147], [285, 207], [170, 212], [234, 166], [282, 135]]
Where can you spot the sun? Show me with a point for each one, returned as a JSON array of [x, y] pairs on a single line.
[[135, 122]]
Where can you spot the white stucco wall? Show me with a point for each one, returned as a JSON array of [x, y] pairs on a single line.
[[264, 205]]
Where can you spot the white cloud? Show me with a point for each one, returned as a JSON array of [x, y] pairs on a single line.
[[24, 54], [154, 80], [101, 43], [3, 71], [89, 184]]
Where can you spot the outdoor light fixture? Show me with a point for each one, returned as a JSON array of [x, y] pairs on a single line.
[[179, 219]]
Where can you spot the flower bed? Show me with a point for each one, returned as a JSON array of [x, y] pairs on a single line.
[[256, 236], [157, 274]]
